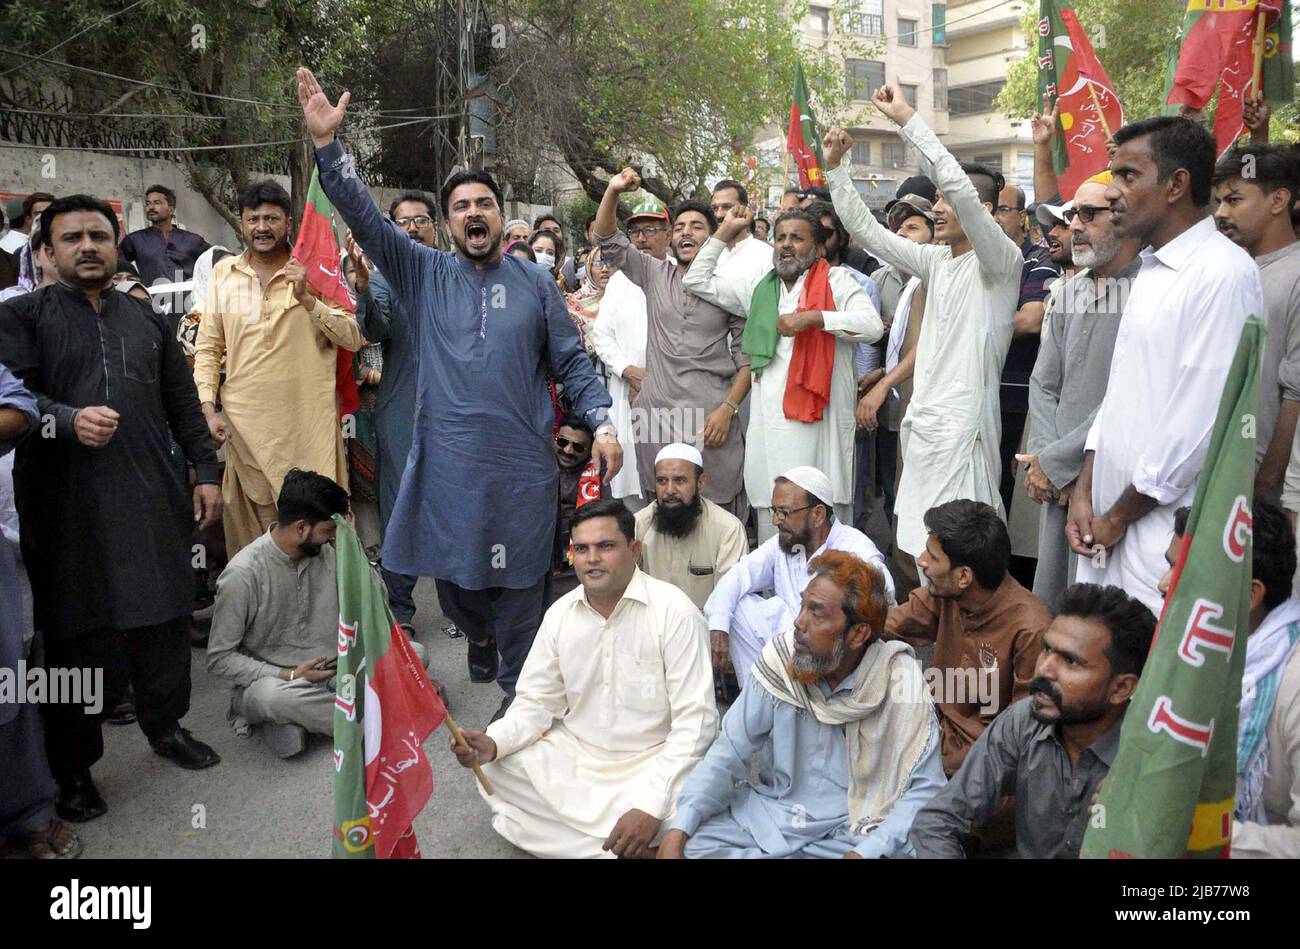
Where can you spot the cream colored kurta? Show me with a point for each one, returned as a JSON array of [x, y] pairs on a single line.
[[773, 443], [609, 715], [951, 434], [696, 562], [278, 395]]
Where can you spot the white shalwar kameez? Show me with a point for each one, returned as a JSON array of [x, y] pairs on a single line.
[[619, 336], [1176, 341], [950, 435]]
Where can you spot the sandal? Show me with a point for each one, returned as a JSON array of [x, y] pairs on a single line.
[[55, 841]]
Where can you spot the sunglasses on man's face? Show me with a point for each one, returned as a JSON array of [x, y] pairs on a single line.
[[564, 444], [1084, 212]]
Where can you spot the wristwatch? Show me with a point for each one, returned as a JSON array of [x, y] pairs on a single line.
[[607, 428]]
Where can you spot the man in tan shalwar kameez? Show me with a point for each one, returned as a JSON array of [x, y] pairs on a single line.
[[279, 343]]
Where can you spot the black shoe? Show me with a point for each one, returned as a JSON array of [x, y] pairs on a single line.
[[501, 711], [482, 660], [184, 749], [123, 714], [79, 799]]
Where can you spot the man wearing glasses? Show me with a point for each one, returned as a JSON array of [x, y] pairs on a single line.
[[1069, 379], [384, 320], [741, 621]]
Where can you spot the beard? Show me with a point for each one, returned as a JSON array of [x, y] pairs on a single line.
[[677, 520], [308, 549], [1096, 253], [791, 269], [1066, 714], [795, 540], [808, 669], [486, 254]]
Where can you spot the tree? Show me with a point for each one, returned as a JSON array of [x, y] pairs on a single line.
[[1132, 41], [676, 87]]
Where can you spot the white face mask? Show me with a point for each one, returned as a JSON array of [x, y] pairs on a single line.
[[545, 260]]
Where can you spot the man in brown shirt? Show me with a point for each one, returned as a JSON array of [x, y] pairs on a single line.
[[985, 627]]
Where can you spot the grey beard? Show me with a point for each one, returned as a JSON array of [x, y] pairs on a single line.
[[804, 665], [791, 269], [1094, 255]]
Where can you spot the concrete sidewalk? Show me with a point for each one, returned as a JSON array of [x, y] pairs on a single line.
[[255, 805]]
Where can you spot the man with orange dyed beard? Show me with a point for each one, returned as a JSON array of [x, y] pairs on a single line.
[[844, 730]]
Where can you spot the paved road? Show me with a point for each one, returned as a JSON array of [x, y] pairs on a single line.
[[257, 805]]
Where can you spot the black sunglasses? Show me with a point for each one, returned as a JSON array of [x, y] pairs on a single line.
[[1085, 212], [562, 443]]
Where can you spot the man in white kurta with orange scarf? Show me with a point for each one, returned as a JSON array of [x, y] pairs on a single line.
[[805, 321]]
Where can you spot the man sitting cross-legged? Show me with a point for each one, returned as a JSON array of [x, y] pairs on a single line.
[[844, 730], [613, 707], [275, 624]]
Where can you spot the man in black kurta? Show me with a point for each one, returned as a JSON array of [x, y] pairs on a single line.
[[102, 502]]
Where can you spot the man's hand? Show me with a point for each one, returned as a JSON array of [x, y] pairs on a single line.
[[720, 650], [360, 263], [1107, 531], [217, 426], [889, 100], [792, 324], [207, 504], [624, 182], [1255, 112], [717, 424], [852, 855], [481, 750], [632, 835], [322, 118], [1037, 483], [95, 425], [1078, 523], [311, 671], [607, 449], [869, 379], [835, 144], [673, 846], [734, 224], [1112, 147], [1042, 125], [296, 274], [869, 407], [635, 376]]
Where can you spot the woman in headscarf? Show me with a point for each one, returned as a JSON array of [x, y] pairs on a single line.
[[549, 248], [584, 303]]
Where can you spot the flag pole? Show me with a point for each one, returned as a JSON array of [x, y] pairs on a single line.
[[1259, 51], [1105, 126], [459, 735]]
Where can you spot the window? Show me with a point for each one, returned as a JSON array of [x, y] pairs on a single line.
[[861, 153], [1025, 172], [906, 32], [864, 77], [941, 88], [821, 20], [909, 92], [866, 17], [991, 162], [938, 22], [892, 155], [969, 100]]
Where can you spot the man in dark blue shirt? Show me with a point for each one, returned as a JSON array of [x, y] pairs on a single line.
[[161, 252]]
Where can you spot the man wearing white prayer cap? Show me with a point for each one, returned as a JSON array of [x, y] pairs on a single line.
[[742, 616], [686, 539]]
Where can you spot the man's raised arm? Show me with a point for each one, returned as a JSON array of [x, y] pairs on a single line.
[[397, 256]]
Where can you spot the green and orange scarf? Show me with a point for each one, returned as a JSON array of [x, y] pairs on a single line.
[[808, 384]]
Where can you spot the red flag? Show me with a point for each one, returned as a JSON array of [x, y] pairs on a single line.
[[317, 249], [801, 140]]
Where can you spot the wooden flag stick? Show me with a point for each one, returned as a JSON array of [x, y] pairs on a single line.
[[1096, 102], [785, 171], [459, 735], [1259, 52]]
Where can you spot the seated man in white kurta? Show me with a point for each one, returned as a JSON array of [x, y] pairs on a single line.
[[805, 320], [613, 708], [741, 621]]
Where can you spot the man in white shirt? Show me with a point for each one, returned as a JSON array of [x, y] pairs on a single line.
[[1181, 323], [799, 292], [613, 708], [747, 256], [741, 621], [951, 434]]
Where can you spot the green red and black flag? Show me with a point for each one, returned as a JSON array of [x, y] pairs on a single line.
[[1170, 790], [384, 708], [801, 139], [1089, 110], [317, 249], [1221, 40]]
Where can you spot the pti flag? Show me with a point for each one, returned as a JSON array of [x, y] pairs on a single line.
[[1089, 110], [801, 140], [317, 249], [1170, 790], [1220, 42], [384, 708]]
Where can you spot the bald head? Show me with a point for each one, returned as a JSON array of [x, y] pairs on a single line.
[[1010, 212]]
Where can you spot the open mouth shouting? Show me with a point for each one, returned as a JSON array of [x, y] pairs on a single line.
[[477, 234]]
